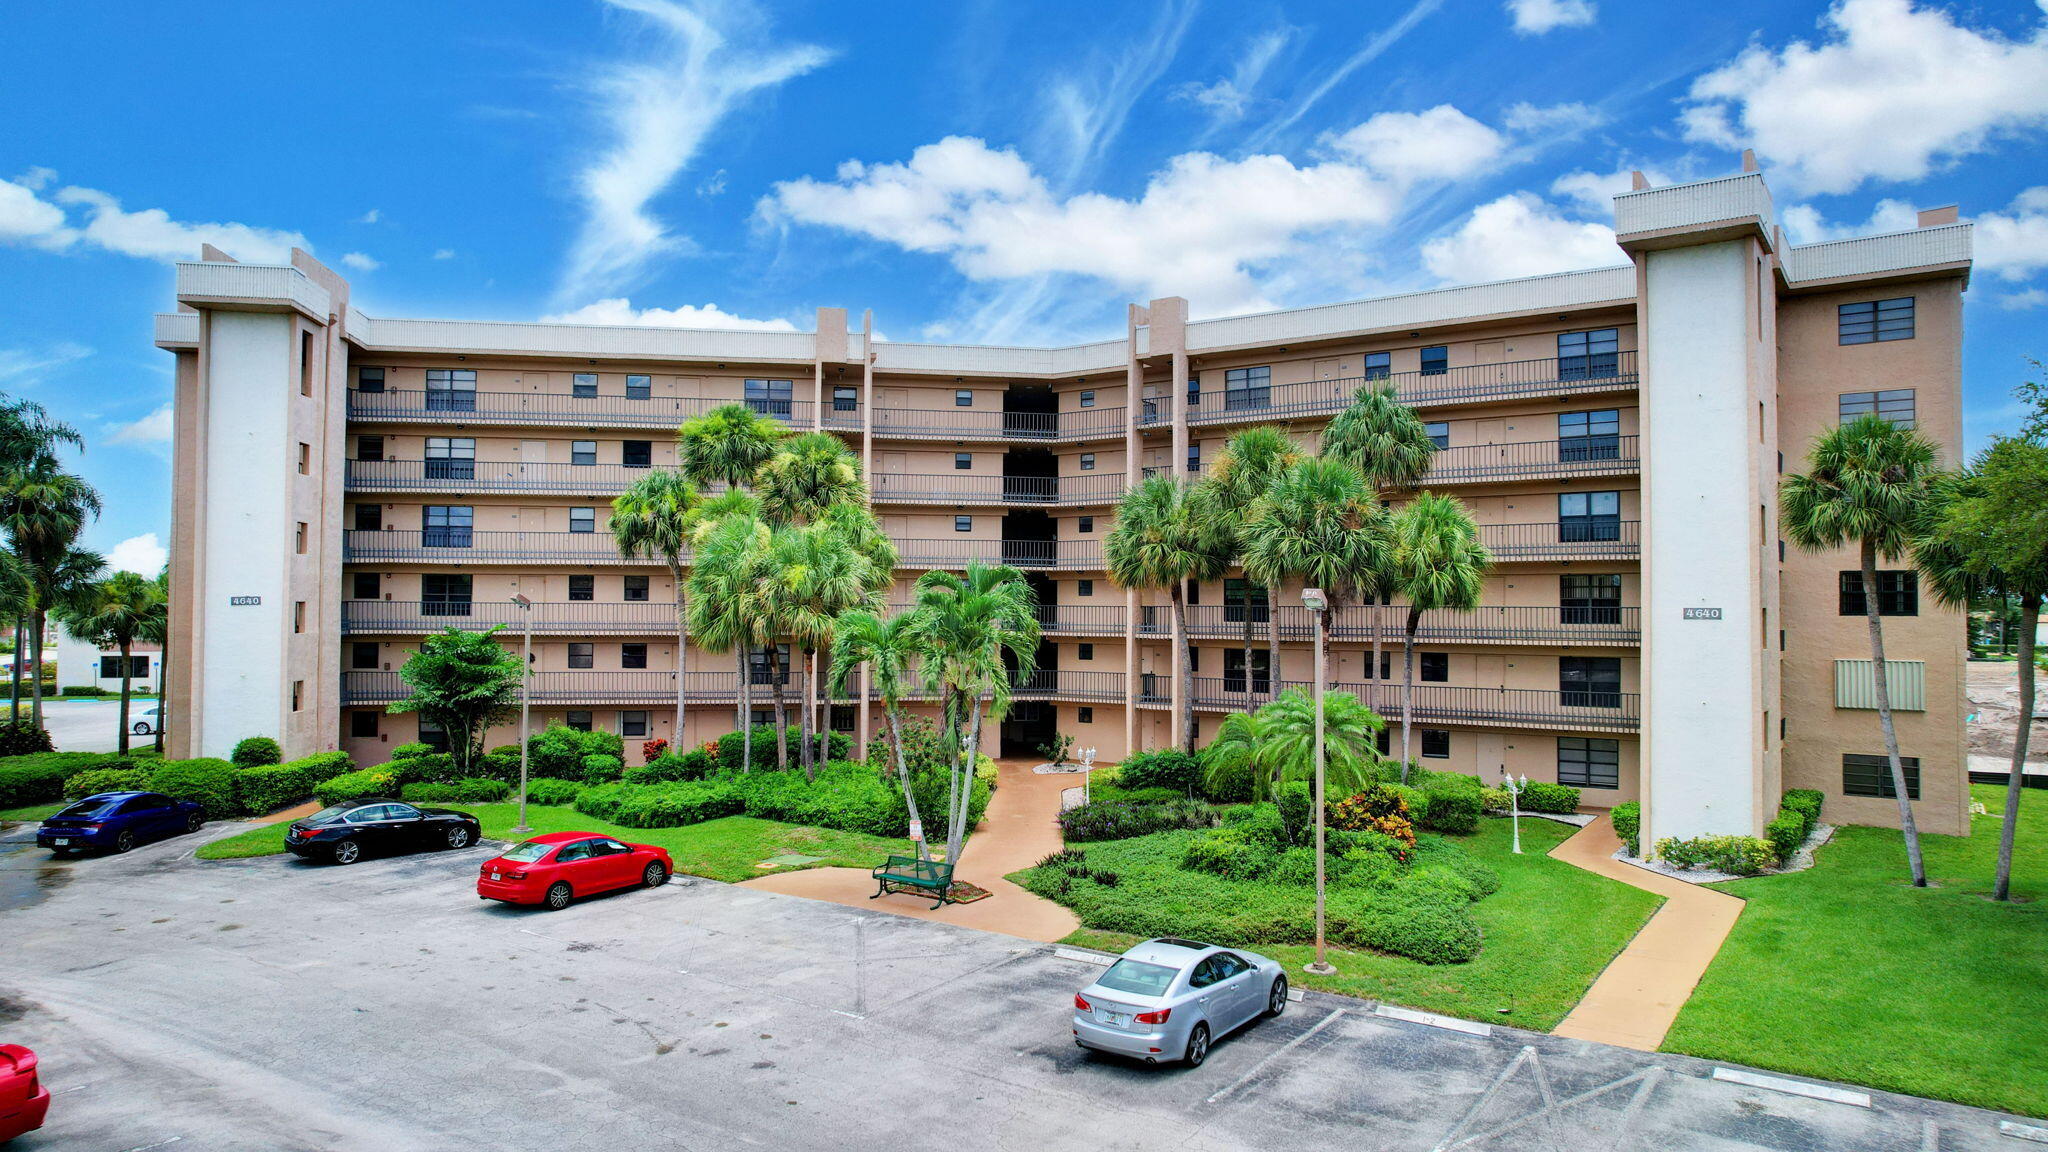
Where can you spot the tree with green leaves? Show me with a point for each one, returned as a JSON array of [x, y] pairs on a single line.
[[653, 518], [1276, 744], [1322, 525], [819, 575], [43, 510], [1866, 486], [1168, 533], [891, 649], [158, 632], [1988, 525], [725, 612], [116, 613], [1391, 447], [1438, 564], [1243, 472], [17, 600], [463, 682], [807, 475], [728, 445]]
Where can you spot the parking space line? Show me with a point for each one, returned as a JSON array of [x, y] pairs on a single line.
[[2031, 1132], [1793, 1087], [1283, 1050], [1432, 1020], [1094, 958]]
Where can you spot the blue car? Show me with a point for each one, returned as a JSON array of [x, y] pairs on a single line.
[[119, 821]]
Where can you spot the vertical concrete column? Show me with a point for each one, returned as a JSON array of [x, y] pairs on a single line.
[[867, 471], [1169, 337], [1134, 385]]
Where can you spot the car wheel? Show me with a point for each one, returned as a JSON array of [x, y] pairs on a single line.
[[558, 896], [125, 842], [655, 876], [347, 852], [1198, 1046], [194, 822], [140, 729], [1276, 1000], [458, 836]]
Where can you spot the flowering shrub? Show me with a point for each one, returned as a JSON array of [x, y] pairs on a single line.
[[1735, 855], [651, 749]]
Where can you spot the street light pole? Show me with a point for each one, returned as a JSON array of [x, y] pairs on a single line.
[[525, 699], [1315, 601], [1514, 791]]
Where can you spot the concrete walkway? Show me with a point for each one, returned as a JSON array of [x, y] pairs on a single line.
[[1637, 997], [1019, 829]]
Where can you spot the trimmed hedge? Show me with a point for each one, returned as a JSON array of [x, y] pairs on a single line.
[[559, 751], [1628, 824], [729, 750], [1122, 819], [1452, 810], [601, 767], [1735, 855], [1557, 799], [472, 790], [847, 796], [695, 764], [1798, 814], [25, 739], [252, 751], [208, 782], [322, 765], [378, 781], [1160, 768], [38, 778], [268, 787], [548, 790], [412, 750], [93, 781]]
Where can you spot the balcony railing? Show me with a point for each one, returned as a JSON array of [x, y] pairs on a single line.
[[1492, 624], [1581, 456], [1594, 539], [581, 686], [985, 423], [1433, 703], [462, 407], [989, 488], [457, 545], [571, 617], [955, 553], [1479, 382], [490, 476], [1057, 684]]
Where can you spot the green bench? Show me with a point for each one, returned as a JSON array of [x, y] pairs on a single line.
[[909, 874]]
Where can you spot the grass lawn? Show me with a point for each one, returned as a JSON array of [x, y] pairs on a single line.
[[36, 812], [1846, 972], [1549, 931], [726, 849]]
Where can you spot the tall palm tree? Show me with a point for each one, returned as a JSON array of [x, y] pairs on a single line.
[[1242, 473], [819, 575], [1392, 449], [976, 632], [158, 632], [1320, 524], [115, 613], [1866, 484], [17, 600], [653, 518], [43, 508], [724, 606], [890, 649], [1438, 563], [1168, 533], [727, 445], [1276, 743], [807, 475]]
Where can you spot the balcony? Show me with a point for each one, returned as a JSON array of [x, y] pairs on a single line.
[[1042, 554], [1433, 703], [464, 476], [956, 488], [1056, 684], [985, 424], [1535, 460], [1475, 384], [571, 618], [1592, 539], [580, 686], [464, 546], [401, 405], [1489, 624]]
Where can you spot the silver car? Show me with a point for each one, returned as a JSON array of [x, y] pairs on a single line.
[[1170, 999]]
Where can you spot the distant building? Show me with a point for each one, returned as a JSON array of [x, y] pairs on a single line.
[[84, 665]]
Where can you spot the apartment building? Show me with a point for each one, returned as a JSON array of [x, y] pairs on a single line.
[[346, 484]]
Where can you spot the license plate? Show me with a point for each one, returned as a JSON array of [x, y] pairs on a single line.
[[61, 841], [495, 876], [1115, 1019]]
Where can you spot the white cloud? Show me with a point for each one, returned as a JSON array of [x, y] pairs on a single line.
[[1535, 17], [1595, 191], [2014, 243], [712, 185], [619, 310], [1893, 92], [2018, 301], [1805, 225], [1518, 235], [1227, 97], [152, 234], [24, 364], [372, 216], [444, 253], [1440, 143], [1367, 52], [26, 218], [152, 429], [36, 178], [1563, 119], [143, 555], [360, 261], [659, 111]]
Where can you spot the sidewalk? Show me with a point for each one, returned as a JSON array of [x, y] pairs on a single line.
[[1637, 997]]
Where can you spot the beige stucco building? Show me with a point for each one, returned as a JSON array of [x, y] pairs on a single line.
[[347, 483]]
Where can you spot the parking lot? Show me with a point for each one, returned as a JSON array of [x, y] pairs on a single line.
[[271, 1004]]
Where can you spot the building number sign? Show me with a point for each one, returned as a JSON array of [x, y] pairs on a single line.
[[244, 601], [1702, 613]]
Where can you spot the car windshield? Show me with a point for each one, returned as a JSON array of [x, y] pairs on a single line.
[[1138, 977], [528, 852], [85, 809], [330, 813]]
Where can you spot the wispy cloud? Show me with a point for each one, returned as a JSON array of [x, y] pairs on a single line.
[[29, 218], [153, 429], [1535, 17], [24, 365], [1371, 50], [361, 261], [1228, 97], [704, 60]]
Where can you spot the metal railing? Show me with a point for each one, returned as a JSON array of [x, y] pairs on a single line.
[[1433, 703], [986, 423], [1523, 378], [989, 488], [1580, 456], [456, 545], [1056, 684], [491, 476], [571, 617], [1568, 540], [582, 686], [462, 407], [955, 553], [1500, 623]]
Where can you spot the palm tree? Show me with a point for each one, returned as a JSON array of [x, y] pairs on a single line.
[[158, 631], [1438, 563], [1168, 533], [1321, 524], [1987, 526], [1242, 473], [17, 600], [807, 475], [1867, 485], [728, 445], [818, 575], [1392, 449], [43, 508], [115, 613], [891, 649], [653, 518], [1276, 743], [724, 609], [28, 436], [972, 630]]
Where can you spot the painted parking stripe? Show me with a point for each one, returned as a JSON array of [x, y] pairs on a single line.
[[2034, 1132], [1283, 1050], [1794, 1087], [1449, 1023], [1095, 958]]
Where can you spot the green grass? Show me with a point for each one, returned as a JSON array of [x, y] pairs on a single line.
[[1846, 972], [33, 812], [1549, 931], [726, 849]]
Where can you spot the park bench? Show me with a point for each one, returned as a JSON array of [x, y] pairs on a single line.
[[909, 874]]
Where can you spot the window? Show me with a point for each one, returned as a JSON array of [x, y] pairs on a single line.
[[451, 458], [1194, 458], [110, 667], [1439, 432], [298, 695], [1586, 762], [451, 389], [299, 538], [369, 518], [305, 459], [582, 451], [635, 589], [1594, 435], [1874, 321], [1244, 600], [845, 399], [362, 654], [1588, 516], [1379, 365], [1898, 593], [1088, 398], [305, 369], [963, 461], [1233, 671], [582, 587], [582, 519], [759, 670], [1247, 388], [433, 735], [636, 453], [369, 447], [1866, 775], [1084, 587], [1589, 681], [577, 719], [1436, 361], [1436, 743], [582, 654], [1087, 524], [369, 379], [446, 525], [1894, 404], [1590, 599], [366, 586], [632, 723], [444, 594], [1084, 715], [963, 398], [1194, 388], [583, 385], [298, 616], [632, 655], [1588, 355], [639, 387], [963, 523], [761, 717], [1084, 651], [1087, 461], [1433, 667], [362, 724], [769, 397]]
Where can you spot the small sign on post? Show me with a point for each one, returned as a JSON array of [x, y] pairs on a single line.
[[917, 831], [1702, 614], [244, 601]]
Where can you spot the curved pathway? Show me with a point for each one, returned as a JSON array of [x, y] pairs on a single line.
[[1019, 829], [1638, 995]]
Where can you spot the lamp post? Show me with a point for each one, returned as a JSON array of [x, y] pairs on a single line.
[[525, 698], [1317, 603], [1514, 791]]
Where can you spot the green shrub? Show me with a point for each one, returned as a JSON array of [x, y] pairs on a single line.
[[600, 768], [1371, 842], [1118, 819], [548, 790], [412, 751], [692, 765], [251, 751], [838, 746], [1236, 784], [93, 781], [23, 739], [470, 790], [660, 805], [1628, 824], [847, 796], [208, 782], [1557, 799], [321, 765], [559, 751], [1495, 801], [1435, 855], [1228, 852], [379, 781], [1785, 833], [1297, 811], [1452, 810], [75, 690], [1807, 803], [1160, 768], [1735, 855], [38, 777], [500, 763], [268, 787], [425, 768]]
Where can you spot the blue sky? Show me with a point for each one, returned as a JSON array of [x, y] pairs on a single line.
[[975, 172]]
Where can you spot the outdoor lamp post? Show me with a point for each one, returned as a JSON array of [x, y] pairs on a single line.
[[1316, 602], [1514, 791], [525, 697]]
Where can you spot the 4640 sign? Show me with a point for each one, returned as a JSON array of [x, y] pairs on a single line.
[[1702, 614]]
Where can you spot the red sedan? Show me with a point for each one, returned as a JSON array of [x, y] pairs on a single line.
[[23, 1101], [555, 868]]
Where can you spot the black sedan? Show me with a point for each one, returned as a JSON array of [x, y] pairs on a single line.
[[344, 832]]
